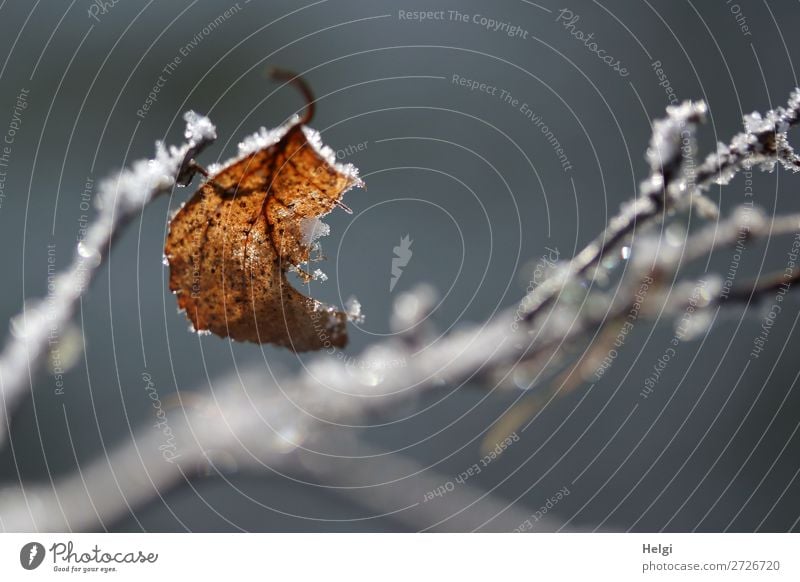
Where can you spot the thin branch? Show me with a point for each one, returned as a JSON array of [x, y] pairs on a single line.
[[119, 200], [673, 180]]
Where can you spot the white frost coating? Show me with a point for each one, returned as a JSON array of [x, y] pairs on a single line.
[[265, 138], [262, 139], [665, 143], [327, 154], [312, 229], [199, 128], [118, 200], [133, 187], [763, 143]]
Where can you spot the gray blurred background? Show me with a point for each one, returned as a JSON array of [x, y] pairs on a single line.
[[474, 183]]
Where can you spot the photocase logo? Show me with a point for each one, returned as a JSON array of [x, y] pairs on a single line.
[[31, 555], [402, 256]]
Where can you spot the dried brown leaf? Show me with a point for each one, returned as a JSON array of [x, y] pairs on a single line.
[[230, 247]]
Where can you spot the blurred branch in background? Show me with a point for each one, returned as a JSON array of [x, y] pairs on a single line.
[[244, 426], [264, 423]]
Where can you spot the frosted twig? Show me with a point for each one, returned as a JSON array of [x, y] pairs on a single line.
[[674, 181], [119, 199]]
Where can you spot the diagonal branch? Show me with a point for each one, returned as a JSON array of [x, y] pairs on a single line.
[[119, 200], [673, 181]]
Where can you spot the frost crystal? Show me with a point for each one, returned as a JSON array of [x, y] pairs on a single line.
[[198, 128], [327, 154], [134, 187], [352, 308], [312, 229], [265, 138], [665, 144], [254, 142]]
